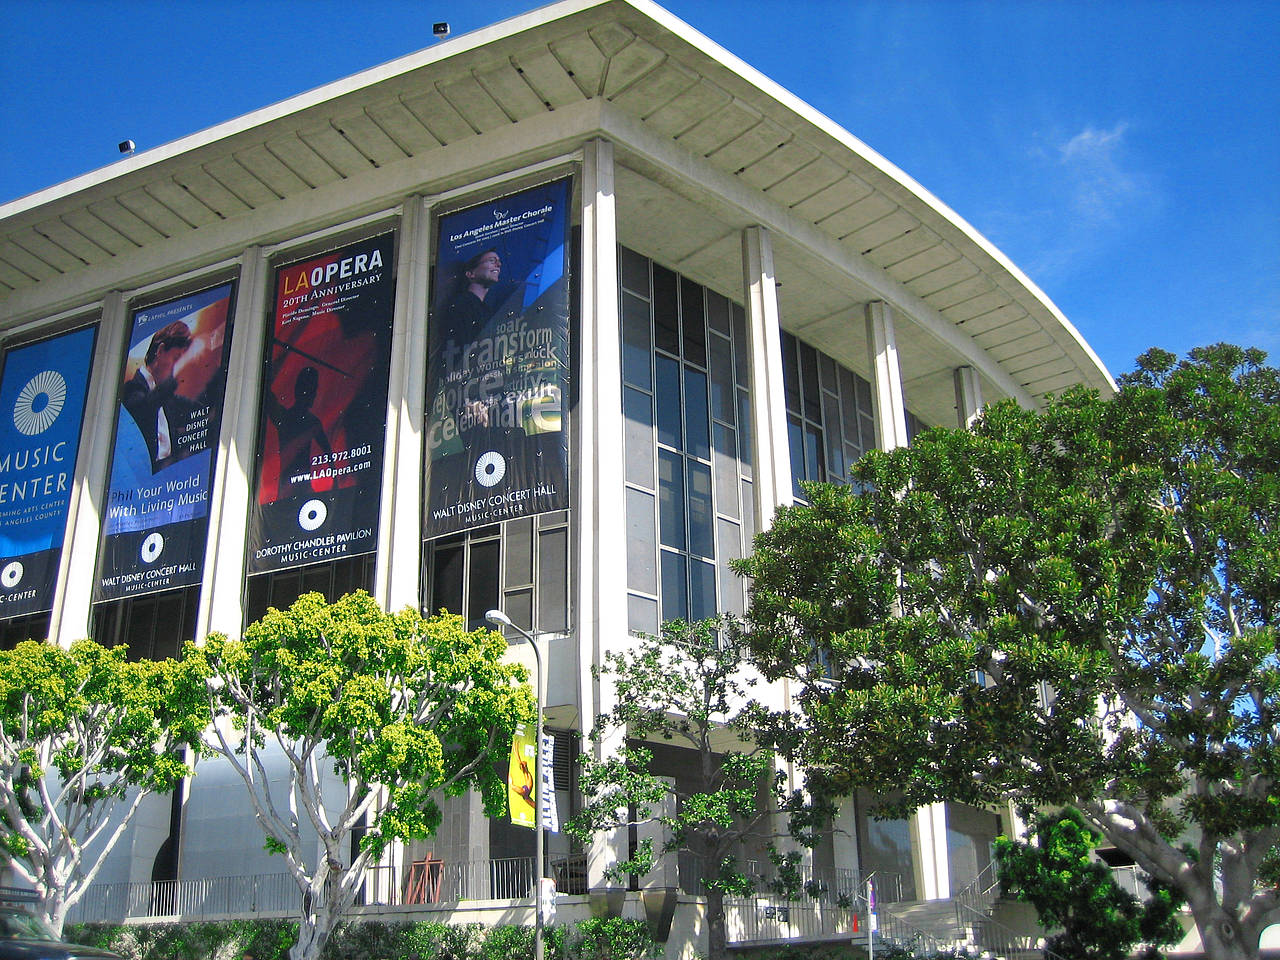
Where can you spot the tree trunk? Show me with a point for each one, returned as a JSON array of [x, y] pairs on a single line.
[[1223, 935], [715, 924], [313, 934], [54, 908]]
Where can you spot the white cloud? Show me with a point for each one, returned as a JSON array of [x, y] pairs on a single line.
[[1102, 188]]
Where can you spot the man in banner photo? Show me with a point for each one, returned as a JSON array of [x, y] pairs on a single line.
[[497, 443], [171, 398], [42, 397], [324, 408]]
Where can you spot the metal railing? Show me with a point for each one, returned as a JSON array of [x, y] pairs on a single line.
[[978, 895], [899, 932], [189, 899], [277, 893], [751, 920], [994, 938], [510, 878], [809, 883], [888, 886]]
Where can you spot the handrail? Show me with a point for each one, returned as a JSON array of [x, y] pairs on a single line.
[[982, 891], [893, 928], [994, 937]]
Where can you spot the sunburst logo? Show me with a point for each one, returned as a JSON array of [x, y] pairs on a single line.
[[39, 403]]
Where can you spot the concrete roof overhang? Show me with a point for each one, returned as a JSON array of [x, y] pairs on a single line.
[[705, 145]]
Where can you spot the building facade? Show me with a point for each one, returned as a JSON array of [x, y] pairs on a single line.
[[699, 292]]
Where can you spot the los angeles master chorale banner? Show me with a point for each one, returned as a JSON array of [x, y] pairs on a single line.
[[171, 396], [323, 418], [42, 397], [496, 435]]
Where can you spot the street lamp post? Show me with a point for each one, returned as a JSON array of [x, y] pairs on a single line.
[[500, 619]]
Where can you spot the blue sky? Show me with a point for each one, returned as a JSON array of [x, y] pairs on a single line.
[[1125, 155]]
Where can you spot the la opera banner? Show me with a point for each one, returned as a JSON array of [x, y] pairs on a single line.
[[324, 409], [42, 396], [171, 395], [496, 435]]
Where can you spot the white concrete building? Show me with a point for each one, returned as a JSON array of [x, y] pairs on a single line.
[[755, 298]]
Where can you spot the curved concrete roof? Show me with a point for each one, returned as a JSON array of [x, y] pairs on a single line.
[[670, 98]]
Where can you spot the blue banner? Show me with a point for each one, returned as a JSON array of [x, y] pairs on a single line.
[[496, 433], [171, 397], [42, 397]]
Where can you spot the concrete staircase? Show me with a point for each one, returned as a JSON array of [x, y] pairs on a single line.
[[937, 918]]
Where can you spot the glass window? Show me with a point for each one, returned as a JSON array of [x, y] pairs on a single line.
[[520, 565], [721, 371], [675, 586], [447, 576], [642, 614], [553, 579], [701, 515], [671, 499], [689, 434], [729, 543], [642, 542], [724, 461], [281, 588], [718, 313], [666, 316], [698, 440], [637, 346], [638, 441], [668, 402], [32, 627], [694, 321], [635, 271], [153, 627], [519, 557], [702, 589], [483, 587]]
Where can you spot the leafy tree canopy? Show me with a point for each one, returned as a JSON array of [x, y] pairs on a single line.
[[1074, 605], [398, 708], [1077, 894], [85, 735]]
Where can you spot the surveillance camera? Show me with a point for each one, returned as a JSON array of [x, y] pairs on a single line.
[[441, 29], [127, 146]]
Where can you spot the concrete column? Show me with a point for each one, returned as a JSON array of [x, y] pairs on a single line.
[[844, 837], [929, 852], [929, 825], [968, 396], [400, 521], [886, 383], [771, 473], [600, 584], [221, 603], [78, 564]]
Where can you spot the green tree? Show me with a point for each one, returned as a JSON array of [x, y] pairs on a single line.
[[398, 708], [1068, 606], [1073, 891], [689, 689], [85, 735]]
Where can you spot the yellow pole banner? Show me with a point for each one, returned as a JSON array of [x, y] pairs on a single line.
[[520, 773]]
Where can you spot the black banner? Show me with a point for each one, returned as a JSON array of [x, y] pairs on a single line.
[[324, 411], [497, 436], [171, 396], [42, 398]]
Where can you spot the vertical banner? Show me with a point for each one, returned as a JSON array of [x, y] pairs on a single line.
[[520, 777], [496, 435], [42, 397], [171, 394], [324, 409]]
